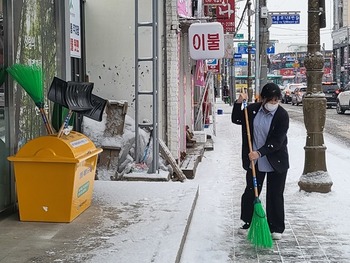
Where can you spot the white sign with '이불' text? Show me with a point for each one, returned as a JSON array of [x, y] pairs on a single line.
[[206, 40]]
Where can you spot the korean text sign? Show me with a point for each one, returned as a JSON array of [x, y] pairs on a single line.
[[206, 40], [75, 34]]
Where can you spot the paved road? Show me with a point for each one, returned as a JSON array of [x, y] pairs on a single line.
[[337, 125]]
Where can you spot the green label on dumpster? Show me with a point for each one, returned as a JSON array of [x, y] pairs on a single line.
[[83, 189]]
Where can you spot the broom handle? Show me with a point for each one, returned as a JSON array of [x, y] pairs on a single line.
[[66, 120], [255, 184], [46, 122]]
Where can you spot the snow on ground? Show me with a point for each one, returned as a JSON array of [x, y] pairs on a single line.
[[221, 179], [212, 235]]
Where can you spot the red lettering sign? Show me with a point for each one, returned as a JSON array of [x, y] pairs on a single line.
[[213, 42], [206, 42], [213, 2], [225, 14]]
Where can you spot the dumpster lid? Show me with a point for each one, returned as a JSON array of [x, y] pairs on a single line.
[[74, 147]]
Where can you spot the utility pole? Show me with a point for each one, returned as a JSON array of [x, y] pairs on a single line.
[[232, 81], [264, 41], [249, 78], [257, 50], [315, 177]]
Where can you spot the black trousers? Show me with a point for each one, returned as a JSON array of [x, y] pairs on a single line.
[[274, 198]]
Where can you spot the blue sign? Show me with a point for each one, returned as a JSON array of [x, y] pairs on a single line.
[[285, 18], [212, 62], [237, 55], [243, 49], [241, 63], [271, 49]]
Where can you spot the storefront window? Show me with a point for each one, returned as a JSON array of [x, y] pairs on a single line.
[[35, 38], [28, 36], [4, 166]]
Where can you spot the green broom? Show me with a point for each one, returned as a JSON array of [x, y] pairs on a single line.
[[259, 231], [30, 78]]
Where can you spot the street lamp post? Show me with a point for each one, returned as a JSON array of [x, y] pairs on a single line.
[[315, 177]]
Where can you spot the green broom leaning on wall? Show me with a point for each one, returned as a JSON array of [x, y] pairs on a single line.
[[30, 79]]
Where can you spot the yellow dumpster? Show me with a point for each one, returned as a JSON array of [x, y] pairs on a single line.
[[55, 177]]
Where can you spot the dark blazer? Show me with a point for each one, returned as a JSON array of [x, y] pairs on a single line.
[[275, 147]]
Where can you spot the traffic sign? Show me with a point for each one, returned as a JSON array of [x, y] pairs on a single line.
[[239, 36], [237, 55], [288, 18], [242, 63], [271, 49], [243, 48]]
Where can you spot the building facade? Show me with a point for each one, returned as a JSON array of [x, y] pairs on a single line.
[[102, 50], [31, 32], [340, 36]]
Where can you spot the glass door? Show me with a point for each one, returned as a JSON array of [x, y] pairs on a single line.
[[4, 149], [28, 36]]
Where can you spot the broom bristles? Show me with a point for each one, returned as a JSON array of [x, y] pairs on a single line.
[[30, 78], [259, 231]]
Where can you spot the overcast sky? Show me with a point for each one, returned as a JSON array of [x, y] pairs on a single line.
[[292, 33]]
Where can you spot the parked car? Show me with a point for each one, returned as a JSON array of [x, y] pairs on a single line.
[[298, 95], [331, 91], [343, 100], [287, 92]]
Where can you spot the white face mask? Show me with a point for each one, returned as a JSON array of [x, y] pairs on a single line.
[[270, 106]]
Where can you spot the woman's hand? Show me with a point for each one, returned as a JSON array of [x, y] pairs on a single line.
[[254, 155], [242, 97]]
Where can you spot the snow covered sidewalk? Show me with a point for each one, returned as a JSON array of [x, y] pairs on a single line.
[[317, 228], [143, 222]]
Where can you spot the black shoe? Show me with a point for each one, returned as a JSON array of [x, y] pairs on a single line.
[[244, 229]]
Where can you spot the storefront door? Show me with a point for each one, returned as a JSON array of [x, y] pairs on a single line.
[[5, 179], [32, 32]]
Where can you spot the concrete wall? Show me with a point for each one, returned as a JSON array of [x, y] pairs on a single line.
[[110, 51], [110, 63], [172, 71]]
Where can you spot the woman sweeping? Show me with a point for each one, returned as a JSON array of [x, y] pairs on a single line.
[[269, 123]]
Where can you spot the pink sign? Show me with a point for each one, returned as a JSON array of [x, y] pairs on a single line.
[[199, 78], [184, 8]]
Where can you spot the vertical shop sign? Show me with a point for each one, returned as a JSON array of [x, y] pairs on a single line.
[[213, 65], [200, 81], [206, 40], [75, 28], [229, 48], [225, 14], [184, 8]]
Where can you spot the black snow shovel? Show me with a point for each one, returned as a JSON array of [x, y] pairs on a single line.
[[96, 112], [77, 97]]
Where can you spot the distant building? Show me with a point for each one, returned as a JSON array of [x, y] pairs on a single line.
[[340, 37]]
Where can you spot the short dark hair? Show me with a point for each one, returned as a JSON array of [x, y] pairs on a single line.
[[270, 91]]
